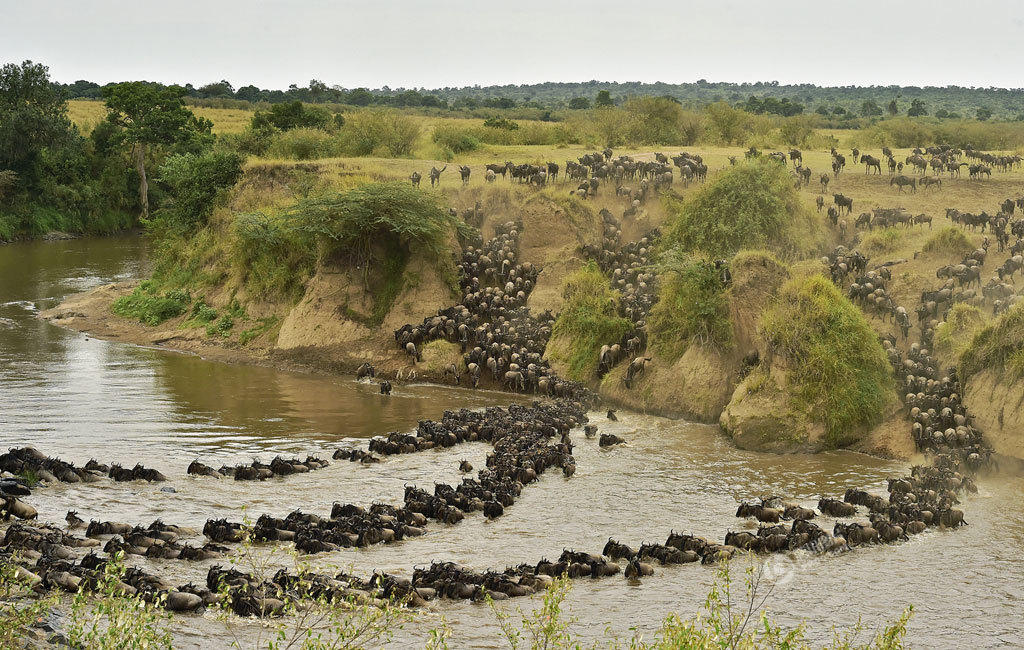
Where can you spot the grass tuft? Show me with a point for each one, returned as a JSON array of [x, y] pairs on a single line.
[[950, 240], [999, 347], [692, 307], [588, 320], [750, 205]]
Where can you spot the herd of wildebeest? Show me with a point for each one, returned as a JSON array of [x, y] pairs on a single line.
[[502, 345]]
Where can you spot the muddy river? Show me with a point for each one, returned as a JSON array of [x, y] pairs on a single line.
[[76, 397]]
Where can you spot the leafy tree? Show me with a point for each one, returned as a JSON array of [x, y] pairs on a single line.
[[893, 108], [150, 115], [822, 110], [603, 99], [220, 89], [193, 183], [291, 115], [579, 103], [729, 123], [870, 109], [33, 117], [917, 108], [249, 93], [984, 113], [359, 97]]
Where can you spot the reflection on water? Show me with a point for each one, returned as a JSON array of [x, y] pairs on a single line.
[[78, 398]]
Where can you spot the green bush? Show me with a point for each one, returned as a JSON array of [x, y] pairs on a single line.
[[750, 205], [661, 120], [352, 223], [949, 240], [588, 320], [838, 370], [304, 144], [292, 115], [998, 347], [193, 183], [456, 139], [379, 132], [692, 306], [202, 312], [148, 307]]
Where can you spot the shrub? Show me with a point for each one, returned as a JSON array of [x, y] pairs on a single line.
[[999, 347], [456, 139], [501, 123], [110, 619], [750, 205], [839, 371], [949, 240], [379, 132], [291, 115], [661, 120], [588, 320], [727, 124], [351, 223], [193, 183], [691, 306], [148, 307], [303, 144]]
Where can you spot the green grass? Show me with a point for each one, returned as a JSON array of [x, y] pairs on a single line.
[[588, 320], [949, 240], [839, 371], [263, 325], [999, 347], [692, 306], [146, 305], [956, 332], [885, 240], [750, 205]]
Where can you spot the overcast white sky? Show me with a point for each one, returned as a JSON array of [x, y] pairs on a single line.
[[434, 43]]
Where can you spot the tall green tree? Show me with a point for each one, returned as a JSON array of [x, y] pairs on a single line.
[[33, 117], [603, 99], [893, 108], [917, 108], [150, 115]]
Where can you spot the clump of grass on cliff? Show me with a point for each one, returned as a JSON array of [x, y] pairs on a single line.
[[692, 307], [884, 240], [588, 320], [956, 332], [149, 306], [839, 371], [750, 205], [950, 240], [999, 347]]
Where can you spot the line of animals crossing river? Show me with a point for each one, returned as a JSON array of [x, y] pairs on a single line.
[[503, 343]]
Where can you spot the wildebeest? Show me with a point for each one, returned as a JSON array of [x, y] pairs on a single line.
[[902, 181], [415, 178], [464, 173], [843, 202], [435, 175]]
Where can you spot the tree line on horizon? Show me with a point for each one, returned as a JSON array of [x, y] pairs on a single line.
[[837, 103]]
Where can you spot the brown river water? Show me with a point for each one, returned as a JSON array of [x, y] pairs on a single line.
[[76, 397]]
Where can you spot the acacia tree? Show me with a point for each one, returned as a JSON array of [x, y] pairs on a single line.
[[33, 116], [150, 115]]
